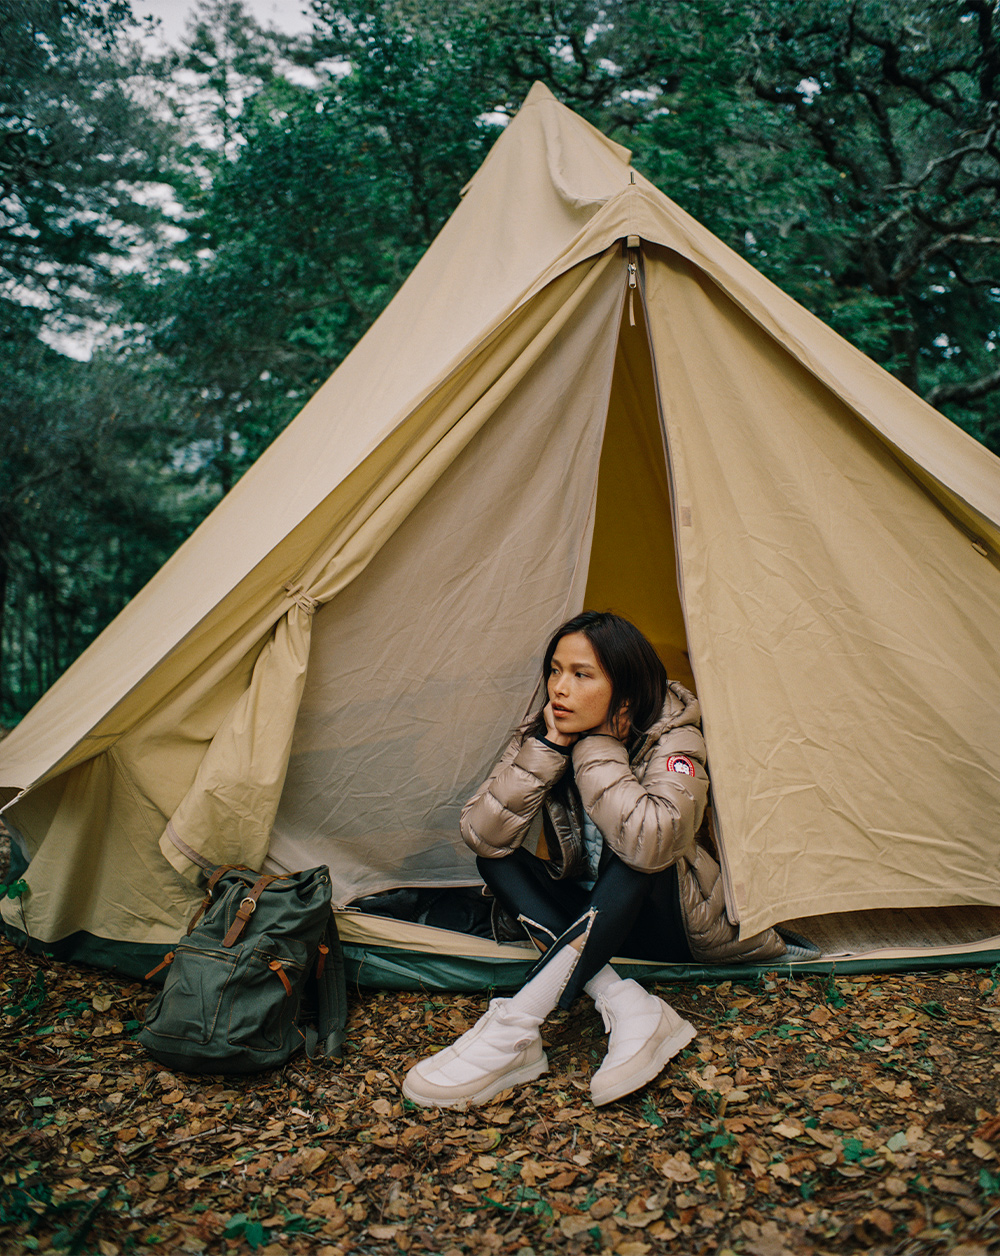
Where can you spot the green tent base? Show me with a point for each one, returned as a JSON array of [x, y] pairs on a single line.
[[397, 968], [390, 969]]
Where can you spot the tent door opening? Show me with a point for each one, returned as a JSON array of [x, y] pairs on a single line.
[[633, 568], [632, 571]]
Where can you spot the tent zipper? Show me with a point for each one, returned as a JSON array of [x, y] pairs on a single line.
[[632, 246]]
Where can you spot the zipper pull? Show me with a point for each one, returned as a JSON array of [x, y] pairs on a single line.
[[633, 273]]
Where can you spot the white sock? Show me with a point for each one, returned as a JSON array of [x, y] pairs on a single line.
[[601, 982], [541, 994]]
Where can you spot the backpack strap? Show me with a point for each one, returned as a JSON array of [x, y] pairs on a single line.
[[331, 988], [213, 881], [247, 907]]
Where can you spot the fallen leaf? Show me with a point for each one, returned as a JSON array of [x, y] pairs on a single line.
[[679, 1168], [989, 1130], [485, 1140], [306, 1161], [572, 1226], [881, 1220], [326, 1206]]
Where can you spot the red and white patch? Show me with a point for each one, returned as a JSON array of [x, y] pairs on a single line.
[[681, 763]]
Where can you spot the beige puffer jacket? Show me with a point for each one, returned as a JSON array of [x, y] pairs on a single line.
[[648, 814]]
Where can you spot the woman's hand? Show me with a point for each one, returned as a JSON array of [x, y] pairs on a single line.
[[552, 733]]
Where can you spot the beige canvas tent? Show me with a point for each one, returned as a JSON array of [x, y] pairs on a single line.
[[579, 397]]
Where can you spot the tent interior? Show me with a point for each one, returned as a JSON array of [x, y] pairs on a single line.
[[403, 882]]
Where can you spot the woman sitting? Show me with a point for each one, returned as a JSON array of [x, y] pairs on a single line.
[[615, 763]]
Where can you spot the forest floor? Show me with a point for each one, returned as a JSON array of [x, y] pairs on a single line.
[[814, 1115]]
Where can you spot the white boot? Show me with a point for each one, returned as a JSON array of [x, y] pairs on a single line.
[[502, 1049], [645, 1034]]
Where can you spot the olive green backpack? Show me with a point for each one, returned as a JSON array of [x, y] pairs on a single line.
[[259, 976]]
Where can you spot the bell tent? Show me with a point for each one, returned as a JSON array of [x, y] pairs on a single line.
[[579, 397]]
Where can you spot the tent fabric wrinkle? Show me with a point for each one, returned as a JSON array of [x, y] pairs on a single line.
[[325, 670], [230, 810]]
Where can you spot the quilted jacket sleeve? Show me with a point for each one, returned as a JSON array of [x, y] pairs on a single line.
[[713, 940], [650, 822], [497, 817]]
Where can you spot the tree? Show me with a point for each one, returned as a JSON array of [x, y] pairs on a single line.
[[79, 147], [77, 141], [854, 157], [91, 504]]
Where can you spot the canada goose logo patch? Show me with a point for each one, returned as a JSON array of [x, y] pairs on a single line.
[[680, 763]]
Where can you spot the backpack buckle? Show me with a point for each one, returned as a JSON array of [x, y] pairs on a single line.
[[248, 905]]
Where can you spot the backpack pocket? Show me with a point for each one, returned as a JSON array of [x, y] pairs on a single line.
[[188, 1006], [266, 997]]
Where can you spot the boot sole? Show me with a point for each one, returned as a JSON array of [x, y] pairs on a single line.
[[625, 1082], [431, 1097]]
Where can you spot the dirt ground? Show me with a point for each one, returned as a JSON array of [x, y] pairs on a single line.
[[824, 1114]]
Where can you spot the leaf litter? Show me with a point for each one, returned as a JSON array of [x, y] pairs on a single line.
[[816, 1114]]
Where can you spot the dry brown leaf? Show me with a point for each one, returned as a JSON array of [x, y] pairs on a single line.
[[305, 1161], [639, 1220], [679, 1168], [485, 1140], [882, 1221], [326, 1206], [532, 1171], [572, 1226], [989, 1131]]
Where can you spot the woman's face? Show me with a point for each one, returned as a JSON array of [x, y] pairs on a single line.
[[579, 690]]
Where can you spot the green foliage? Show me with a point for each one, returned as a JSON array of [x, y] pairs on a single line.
[[831, 992], [852, 155], [243, 1227], [989, 1183], [75, 134], [30, 1000], [83, 519], [91, 504]]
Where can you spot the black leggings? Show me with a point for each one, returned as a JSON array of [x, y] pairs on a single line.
[[628, 913]]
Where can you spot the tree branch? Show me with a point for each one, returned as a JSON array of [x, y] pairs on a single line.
[[971, 390], [939, 246]]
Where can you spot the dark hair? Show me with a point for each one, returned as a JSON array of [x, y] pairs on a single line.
[[638, 678]]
